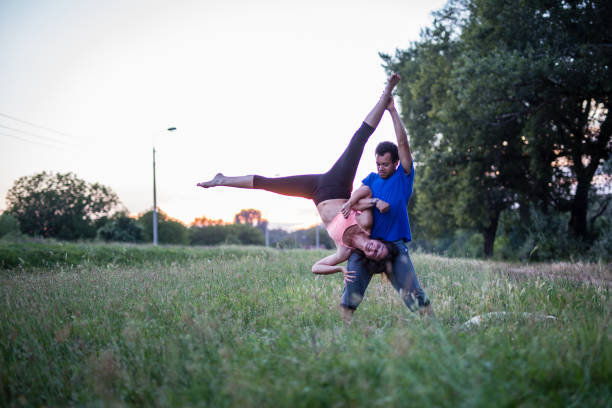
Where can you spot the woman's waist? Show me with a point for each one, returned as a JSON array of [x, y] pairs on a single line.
[[339, 225], [329, 209]]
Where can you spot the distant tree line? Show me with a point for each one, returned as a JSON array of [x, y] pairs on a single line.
[[507, 107], [62, 206]]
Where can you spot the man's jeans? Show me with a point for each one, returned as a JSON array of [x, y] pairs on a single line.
[[402, 277]]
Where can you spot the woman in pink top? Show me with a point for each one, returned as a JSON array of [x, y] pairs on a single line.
[[330, 191]]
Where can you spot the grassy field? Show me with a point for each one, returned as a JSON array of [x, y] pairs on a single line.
[[250, 327]]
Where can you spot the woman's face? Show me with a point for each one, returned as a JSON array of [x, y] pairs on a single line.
[[375, 249]]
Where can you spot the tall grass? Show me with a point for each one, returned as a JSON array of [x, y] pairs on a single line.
[[258, 329], [30, 254]]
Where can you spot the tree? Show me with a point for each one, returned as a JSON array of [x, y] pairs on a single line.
[[506, 106], [60, 205], [559, 90], [250, 216], [203, 221]]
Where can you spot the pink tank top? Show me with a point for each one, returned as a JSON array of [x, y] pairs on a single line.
[[339, 224]]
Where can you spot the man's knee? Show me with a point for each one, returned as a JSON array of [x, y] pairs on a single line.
[[351, 300]]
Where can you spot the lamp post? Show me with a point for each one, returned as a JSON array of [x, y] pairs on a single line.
[[170, 129]]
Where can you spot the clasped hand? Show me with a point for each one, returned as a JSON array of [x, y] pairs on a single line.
[[348, 276]]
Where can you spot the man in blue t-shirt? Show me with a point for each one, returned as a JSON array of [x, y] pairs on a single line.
[[390, 189]]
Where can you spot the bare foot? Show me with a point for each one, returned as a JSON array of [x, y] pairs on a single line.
[[391, 83], [393, 80], [217, 181]]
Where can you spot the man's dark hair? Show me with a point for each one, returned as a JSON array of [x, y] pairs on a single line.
[[384, 265], [387, 147]]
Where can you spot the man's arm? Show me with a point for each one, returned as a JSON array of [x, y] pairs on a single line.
[[402, 138], [361, 200]]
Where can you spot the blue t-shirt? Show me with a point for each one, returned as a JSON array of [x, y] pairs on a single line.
[[396, 190]]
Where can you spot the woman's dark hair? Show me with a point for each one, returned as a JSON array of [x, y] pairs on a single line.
[[388, 147], [383, 265]]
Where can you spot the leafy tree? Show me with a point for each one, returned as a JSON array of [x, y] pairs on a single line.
[[253, 217], [203, 221], [60, 205], [507, 105], [559, 90], [250, 216]]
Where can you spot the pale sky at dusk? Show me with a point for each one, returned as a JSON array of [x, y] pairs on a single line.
[[266, 87]]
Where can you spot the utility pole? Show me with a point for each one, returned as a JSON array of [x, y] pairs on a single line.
[[154, 203], [170, 129]]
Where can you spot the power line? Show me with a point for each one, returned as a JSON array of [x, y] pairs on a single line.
[[34, 142], [37, 126], [47, 138]]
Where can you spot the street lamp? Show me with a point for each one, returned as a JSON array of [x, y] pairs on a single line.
[[170, 129]]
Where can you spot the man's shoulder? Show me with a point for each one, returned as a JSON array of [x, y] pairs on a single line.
[[405, 173], [371, 178]]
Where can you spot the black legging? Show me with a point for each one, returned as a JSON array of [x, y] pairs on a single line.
[[336, 183]]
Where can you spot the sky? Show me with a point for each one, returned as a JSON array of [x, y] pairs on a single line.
[[271, 87]]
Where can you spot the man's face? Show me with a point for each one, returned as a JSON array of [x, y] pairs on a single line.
[[385, 165], [376, 250]]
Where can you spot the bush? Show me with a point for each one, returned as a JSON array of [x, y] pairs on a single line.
[[169, 230], [601, 250], [239, 234], [121, 228], [9, 225], [47, 253]]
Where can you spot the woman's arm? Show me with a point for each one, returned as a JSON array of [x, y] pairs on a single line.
[[361, 193], [362, 200], [367, 203], [329, 264]]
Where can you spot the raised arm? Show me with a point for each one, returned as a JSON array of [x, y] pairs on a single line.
[[329, 264], [402, 138]]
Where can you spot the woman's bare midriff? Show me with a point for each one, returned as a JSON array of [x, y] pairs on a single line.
[[328, 209]]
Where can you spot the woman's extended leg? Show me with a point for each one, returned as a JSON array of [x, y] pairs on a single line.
[[294, 186], [221, 180], [343, 171]]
